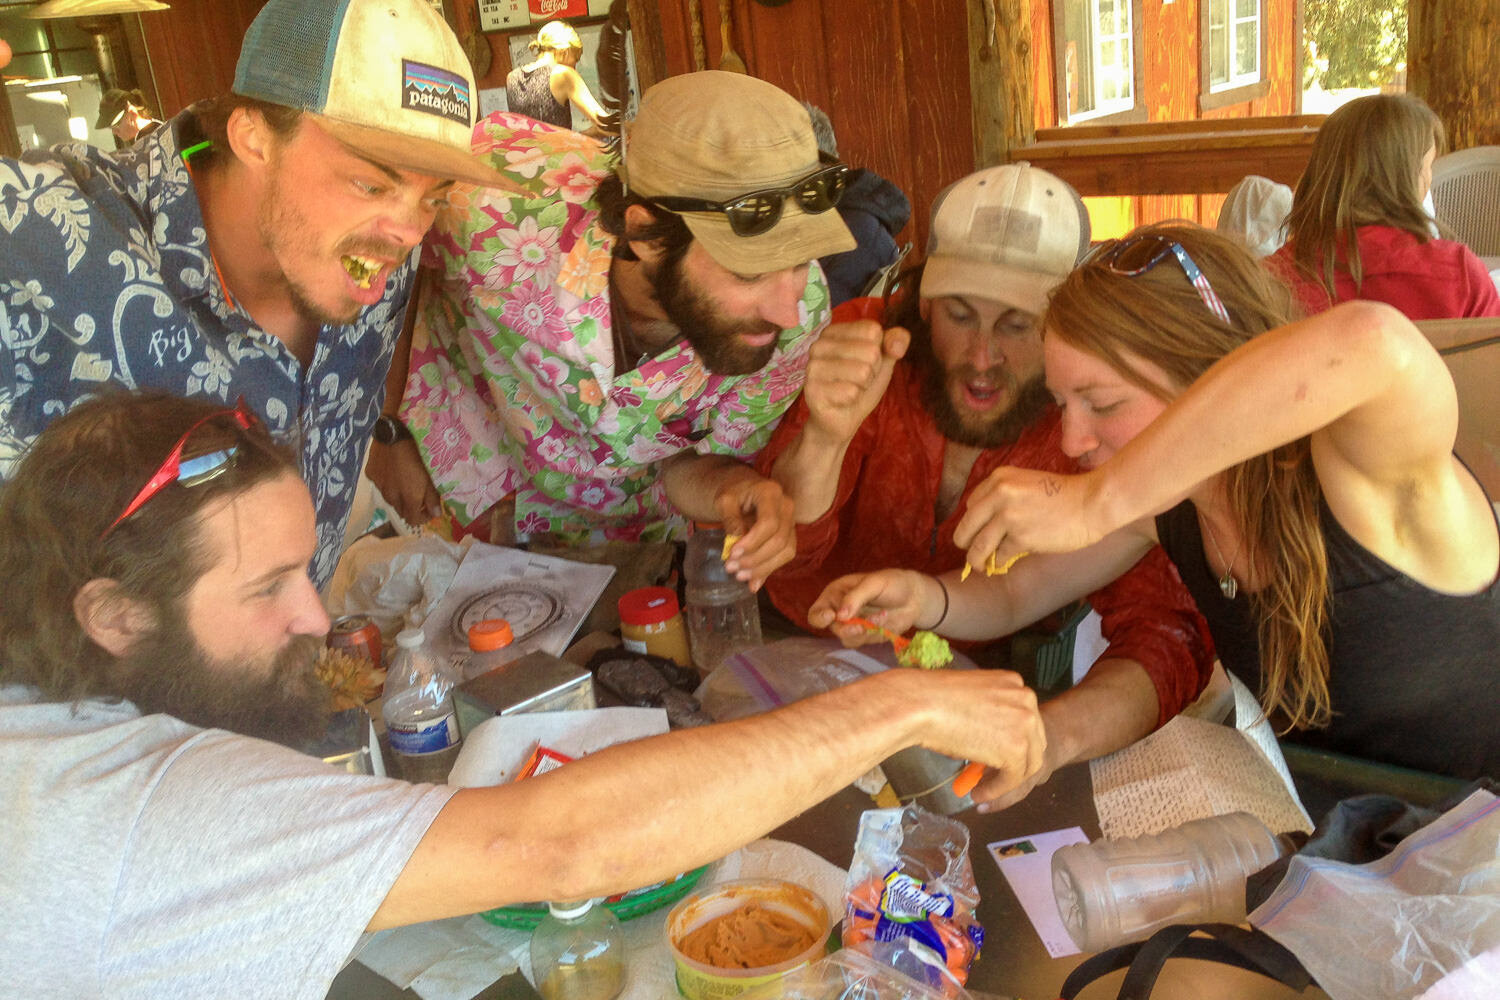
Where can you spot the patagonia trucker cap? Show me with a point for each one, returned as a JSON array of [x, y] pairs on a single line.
[[1009, 233], [386, 77], [718, 136]]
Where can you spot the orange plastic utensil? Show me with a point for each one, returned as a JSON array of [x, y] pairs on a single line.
[[968, 778], [900, 642]]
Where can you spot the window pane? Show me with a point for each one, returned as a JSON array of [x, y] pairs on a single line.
[[1109, 55], [1246, 8], [1218, 54], [1246, 50]]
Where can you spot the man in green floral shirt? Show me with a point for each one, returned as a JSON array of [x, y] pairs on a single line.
[[609, 352]]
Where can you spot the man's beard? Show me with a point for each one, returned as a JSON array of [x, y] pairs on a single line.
[[716, 340], [168, 672], [1028, 400]]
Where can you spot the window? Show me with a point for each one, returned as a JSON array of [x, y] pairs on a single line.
[[1098, 73], [1233, 52]]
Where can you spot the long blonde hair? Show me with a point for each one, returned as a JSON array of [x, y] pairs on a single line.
[[1273, 498], [1362, 171]]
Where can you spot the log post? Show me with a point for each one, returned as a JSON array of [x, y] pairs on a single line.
[[1450, 64], [1000, 78]]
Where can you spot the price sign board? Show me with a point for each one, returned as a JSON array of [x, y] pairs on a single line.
[[503, 15]]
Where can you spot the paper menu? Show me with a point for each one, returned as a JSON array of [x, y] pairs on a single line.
[[1190, 769], [1026, 863], [545, 599]]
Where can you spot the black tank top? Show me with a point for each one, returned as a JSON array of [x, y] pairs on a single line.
[[530, 94], [1414, 675]]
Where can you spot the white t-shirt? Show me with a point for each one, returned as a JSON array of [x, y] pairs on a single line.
[[144, 857]]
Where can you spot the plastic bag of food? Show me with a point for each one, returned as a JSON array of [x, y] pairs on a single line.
[[910, 898], [848, 974]]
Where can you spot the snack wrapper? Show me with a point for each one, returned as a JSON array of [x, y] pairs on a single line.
[[910, 898]]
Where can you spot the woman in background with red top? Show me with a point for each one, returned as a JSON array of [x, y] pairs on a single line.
[[1358, 230]]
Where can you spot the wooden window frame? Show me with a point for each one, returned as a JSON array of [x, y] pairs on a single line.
[[1210, 100], [1135, 113]]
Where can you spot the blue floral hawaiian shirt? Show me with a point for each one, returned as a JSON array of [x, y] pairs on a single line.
[[105, 277]]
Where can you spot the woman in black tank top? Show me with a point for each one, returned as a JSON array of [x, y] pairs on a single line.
[[549, 87]]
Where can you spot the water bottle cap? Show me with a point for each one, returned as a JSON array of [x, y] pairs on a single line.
[[409, 638], [648, 606], [489, 635], [569, 910]]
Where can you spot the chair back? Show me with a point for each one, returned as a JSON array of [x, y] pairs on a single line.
[[1471, 347], [1466, 197]]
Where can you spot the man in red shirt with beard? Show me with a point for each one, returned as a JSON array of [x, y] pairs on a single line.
[[883, 447]]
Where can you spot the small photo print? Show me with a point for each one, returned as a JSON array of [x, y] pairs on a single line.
[[1014, 849]]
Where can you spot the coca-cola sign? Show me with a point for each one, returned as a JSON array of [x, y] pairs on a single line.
[[547, 10]]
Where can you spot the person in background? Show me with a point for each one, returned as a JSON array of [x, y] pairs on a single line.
[[601, 357], [874, 209], [549, 87], [885, 447], [258, 246], [1301, 477], [1254, 212], [1358, 227], [124, 113], [153, 639]]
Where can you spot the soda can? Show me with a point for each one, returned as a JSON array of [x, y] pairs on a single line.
[[357, 636]]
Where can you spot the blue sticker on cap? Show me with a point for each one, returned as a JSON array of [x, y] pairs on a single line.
[[435, 91]]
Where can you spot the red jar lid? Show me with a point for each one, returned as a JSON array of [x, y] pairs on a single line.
[[490, 635], [648, 606]]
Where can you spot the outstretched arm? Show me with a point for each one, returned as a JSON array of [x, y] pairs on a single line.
[[981, 607], [559, 836], [1360, 379]]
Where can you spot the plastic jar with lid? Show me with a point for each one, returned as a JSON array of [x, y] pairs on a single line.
[[490, 646], [651, 622]]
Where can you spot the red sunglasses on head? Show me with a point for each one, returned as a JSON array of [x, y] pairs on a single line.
[[192, 471]]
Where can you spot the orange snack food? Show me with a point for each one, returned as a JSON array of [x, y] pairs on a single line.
[[747, 937], [862, 915]]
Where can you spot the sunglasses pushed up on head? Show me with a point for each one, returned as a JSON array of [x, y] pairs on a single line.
[[190, 471], [757, 212], [1135, 255]]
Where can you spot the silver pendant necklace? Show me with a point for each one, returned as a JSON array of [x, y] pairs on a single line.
[[1228, 586]]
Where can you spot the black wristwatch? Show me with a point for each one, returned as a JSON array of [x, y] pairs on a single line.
[[389, 430]]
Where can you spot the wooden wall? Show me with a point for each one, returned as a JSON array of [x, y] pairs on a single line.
[[193, 48], [891, 74]]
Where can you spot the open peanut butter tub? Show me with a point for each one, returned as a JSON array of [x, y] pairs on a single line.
[[730, 937]]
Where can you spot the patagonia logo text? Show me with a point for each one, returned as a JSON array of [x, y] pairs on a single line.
[[435, 91]]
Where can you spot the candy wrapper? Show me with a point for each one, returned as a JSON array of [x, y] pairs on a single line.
[[910, 898]]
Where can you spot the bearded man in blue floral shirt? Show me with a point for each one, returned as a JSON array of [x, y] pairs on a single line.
[[257, 247]]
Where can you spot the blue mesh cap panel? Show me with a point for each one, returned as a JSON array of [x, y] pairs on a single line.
[[287, 57]]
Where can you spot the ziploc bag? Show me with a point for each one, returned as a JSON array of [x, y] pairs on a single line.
[[910, 897], [847, 974], [1398, 925]]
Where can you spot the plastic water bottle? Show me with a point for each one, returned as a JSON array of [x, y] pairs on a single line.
[[420, 720], [722, 615], [1110, 892], [577, 952]]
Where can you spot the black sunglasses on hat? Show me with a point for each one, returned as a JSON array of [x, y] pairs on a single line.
[[757, 212]]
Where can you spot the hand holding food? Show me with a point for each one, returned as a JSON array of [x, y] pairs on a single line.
[[759, 526], [1018, 511], [893, 598]]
